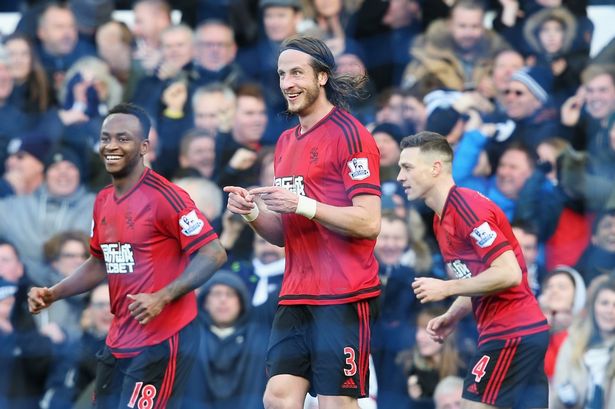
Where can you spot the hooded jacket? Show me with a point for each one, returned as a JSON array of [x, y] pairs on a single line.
[[436, 65], [230, 371]]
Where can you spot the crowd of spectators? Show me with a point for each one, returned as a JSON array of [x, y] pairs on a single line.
[[511, 84]]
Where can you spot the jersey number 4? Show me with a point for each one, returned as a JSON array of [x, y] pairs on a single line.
[[479, 369], [142, 396]]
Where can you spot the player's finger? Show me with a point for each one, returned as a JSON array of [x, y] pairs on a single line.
[[235, 189], [263, 190]]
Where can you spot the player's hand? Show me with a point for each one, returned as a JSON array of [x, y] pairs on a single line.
[[440, 327], [429, 289], [277, 199], [145, 306], [240, 201], [39, 299]]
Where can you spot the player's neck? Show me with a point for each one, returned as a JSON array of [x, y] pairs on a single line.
[[313, 114], [124, 184], [438, 195]]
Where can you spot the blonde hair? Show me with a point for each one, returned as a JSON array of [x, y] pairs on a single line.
[[584, 331]]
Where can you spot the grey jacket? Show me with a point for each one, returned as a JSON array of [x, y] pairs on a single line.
[[28, 221]]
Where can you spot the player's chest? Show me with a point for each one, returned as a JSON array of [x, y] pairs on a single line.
[[126, 223], [305, 161], [452, 242]]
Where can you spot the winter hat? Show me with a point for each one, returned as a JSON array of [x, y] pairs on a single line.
[[35, 145], [60, 154], [7, 289], [390, 129], [538, 79]]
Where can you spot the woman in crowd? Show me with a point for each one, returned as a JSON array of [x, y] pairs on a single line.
[[585, 370]]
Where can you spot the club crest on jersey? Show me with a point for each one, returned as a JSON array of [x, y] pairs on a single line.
[[359, 168], [483, 235], [119, 258], [191, 224]]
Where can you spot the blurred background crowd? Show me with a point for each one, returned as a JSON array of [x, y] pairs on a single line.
[[518, 87]]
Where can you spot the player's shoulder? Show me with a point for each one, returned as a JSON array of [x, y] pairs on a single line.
[[352, 134], [164, 191], [469, 206]]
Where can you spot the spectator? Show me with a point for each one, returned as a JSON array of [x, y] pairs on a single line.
[[447, 394], [63, 253], [550, 34], [530, 117], [414, 112], [263, 273], [388, 136], [429, 361], [393, 330], [213, 106], [215, 55], [236, 152], [562, 300], [60, 203], [197, 153], [389, 107], [25, 356], [91, 14], [505, 64], [24, 166], [352, 61], [174, 65], [599, 257], [585, 115], [233, 348], [207, 196], [280, 19], [527, 236], [73, 383], [114, 44], [585, 369], [456, 53], [59, 45], [31, 91], [151, 18]]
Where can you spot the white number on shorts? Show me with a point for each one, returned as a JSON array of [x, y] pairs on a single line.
[[147, 392], [350, 360], [479, 369]]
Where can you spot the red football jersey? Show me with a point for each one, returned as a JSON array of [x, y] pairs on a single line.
[[334, 161], [145, 238], [473, 232]]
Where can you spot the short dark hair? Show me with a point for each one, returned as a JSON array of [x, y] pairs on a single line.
[[526, 226], [5, 242], [136, 111], [340, 88], [428, 142], [191, 136]]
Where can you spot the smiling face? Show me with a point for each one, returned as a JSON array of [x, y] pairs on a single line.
[[604, 237], [604, 312], [299, 82], [122, 145]]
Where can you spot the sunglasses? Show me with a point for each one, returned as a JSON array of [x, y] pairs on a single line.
[[516, 92]]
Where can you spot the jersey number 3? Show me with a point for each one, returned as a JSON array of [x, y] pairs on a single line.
[[479, 369], [142, 396], [350, 360]]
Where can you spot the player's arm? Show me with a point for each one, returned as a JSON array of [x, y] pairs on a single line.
[[503, 273], [362, 219], [443, 325], [204, 263], [87, 276]]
